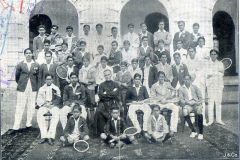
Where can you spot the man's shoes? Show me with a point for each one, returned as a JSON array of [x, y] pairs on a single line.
[[42, 140], [50, 141], [200, 136], [209, 123], [193, 134], [205, 124], [12, 131], [112, 145], [29, 128], [221, 122], [103, 144]]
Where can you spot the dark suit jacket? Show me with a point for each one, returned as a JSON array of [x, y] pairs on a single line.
[[150, 39], [109, 128], [158, 53], [194, 43], [23, 74], [185, 37], [142, 54], [153, 77], [77, 55], [179, 75], [43, 70], [63, 82], [69, 97], [82, 126], [132, 94]]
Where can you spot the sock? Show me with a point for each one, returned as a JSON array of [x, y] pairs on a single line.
[[200, 123], [187, 118]]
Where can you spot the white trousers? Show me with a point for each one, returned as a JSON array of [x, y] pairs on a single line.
[[64, 112], [215, 95], [133, 116], [43, 124], [25, 98], [174, 115]]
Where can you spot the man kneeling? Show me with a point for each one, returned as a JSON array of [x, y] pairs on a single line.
[[76, 128], [48, 100], [157, 126], [113, 130]]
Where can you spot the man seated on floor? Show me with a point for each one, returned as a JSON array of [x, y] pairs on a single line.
[[157, 128], [113, 130], [72, 94], [191, 100], [108, 95], [138, 93], [48, 100], [76, 128], [163, 93]]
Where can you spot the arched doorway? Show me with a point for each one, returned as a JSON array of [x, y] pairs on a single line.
[[153, 19], [61, 13], [149, 11], [34, 22], [224, 29]]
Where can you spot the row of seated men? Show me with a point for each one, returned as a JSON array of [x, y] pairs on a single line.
[[110, 92]]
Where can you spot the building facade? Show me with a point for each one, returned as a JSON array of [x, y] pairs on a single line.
[[19, 29]]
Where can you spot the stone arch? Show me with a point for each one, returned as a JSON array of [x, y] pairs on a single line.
[[142, 9]]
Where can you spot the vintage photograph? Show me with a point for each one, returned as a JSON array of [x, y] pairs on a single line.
[[119, 79]]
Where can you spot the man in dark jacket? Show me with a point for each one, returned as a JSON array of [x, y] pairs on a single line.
[[27, 79]]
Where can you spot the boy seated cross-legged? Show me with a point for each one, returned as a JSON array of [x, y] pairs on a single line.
[[76, 128], [113, 130]]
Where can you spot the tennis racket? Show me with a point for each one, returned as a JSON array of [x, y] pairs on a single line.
[[81, 146], [92, 73], [62, 72], [155, 59], [227, 62], [130, 131]]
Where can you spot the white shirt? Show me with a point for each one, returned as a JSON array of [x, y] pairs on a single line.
[[129, 55], [115, 123], [146, 74], [145, 48], [189, 92], [29, 67], [181, 32], [133, 72], [202, 53], [76, 130], [133, 38], [137, 88], [69, 41], [183, 54], [74, 88], [70, 70]]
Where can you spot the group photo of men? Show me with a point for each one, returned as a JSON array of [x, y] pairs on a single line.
[[164, 85]]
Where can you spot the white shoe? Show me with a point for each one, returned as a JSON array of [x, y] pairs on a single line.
[[221, 122], [186, 124], [193, 134], [200, 136], [205, 124], [209, 123]]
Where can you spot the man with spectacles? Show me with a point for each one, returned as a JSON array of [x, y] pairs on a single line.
[[38, 42]]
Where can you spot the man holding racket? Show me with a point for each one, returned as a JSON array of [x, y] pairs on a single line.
[[162, 92], [108, 95], [138, 93], [48, 100], [73, 93], [215, 72], [114, 130], [76, 128]]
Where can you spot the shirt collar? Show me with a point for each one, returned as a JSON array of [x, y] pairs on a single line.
[[41, 37], [117, 118], [157, 119], [72, 66], [77, 85], [162, 31], [149, 66], [161, 50], [136, 87], [142, 33], [183, 31], [73, 36], [25, 61]]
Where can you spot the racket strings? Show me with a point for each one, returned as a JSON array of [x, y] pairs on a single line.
[[62, 72]]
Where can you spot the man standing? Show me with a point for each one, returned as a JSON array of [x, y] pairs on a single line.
[[70, 39], [183, 35], [27, 79], [183, 52], [195, 35], [49, 100], [163, 50], [52, 37], [46, 68], [114, 37], [38, 44], [87, 37], [99, 38], [162, 34], [179, 71], [143, 33], [215, 72], [132, 37]]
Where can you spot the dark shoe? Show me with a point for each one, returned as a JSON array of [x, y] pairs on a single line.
[[42, 140], [12, 131], [29, 128], [50, 141]]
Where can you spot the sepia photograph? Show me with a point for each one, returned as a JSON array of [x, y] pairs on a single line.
[[119, 79]]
